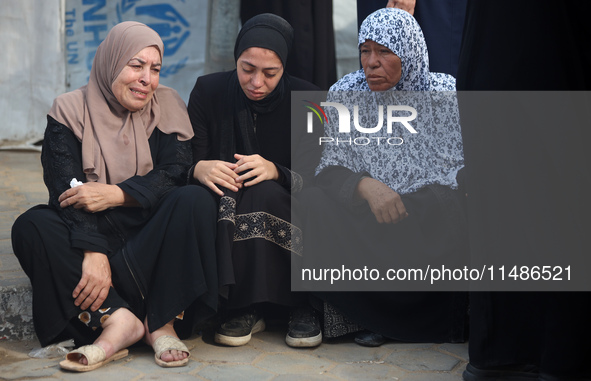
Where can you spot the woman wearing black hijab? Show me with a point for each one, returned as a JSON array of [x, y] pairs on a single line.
[[242, 149]]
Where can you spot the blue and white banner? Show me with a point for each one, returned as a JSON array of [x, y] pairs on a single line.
[[182, 25]]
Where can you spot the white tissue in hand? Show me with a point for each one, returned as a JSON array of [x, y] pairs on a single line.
[[75, 183]]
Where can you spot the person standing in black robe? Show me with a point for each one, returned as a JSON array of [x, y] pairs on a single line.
[[527, 186]]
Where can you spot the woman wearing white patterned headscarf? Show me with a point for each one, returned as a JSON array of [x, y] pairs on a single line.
[[390, 40], [393, 193], [399, 32]]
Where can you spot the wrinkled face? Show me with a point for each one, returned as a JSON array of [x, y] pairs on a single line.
[[382, 67], [139, 78], [259, 71]]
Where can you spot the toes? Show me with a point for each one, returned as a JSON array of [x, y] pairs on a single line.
[[80, 358], [83, 360], [167, 356], [173, 355], [178, 355]]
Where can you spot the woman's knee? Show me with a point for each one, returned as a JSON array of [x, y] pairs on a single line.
[[23, 224], [267, 187], [195, 199], [269, 193], [31, 232], [311, 195], [29, 225]]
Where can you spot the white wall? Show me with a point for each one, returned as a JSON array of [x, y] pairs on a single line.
[[32, 63]]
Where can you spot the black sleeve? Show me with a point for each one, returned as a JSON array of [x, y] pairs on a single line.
[[172, 159], [306, 151], [341, 183], [61, 158], [201, 143], [288, 179], [198, 112], [305, 159]]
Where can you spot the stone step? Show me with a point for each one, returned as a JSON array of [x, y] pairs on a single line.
[[16, 313], [21, 188]]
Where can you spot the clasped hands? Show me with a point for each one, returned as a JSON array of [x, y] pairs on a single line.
[[247, 171]]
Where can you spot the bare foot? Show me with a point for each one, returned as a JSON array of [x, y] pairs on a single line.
[[167, 329], [120, 330]]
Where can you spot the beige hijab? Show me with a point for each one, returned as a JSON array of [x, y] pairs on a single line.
[[115, 140]]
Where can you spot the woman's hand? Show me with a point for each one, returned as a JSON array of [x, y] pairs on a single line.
[[212, 172], [407, 5], [259, 169], [93, 197], [385, 204], [93, 288]]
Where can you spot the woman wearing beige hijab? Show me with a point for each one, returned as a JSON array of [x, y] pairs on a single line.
[[127, 252]]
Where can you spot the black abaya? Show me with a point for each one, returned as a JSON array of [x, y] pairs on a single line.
[[162, 257], [434, 230], [255, 239], [535, 45]]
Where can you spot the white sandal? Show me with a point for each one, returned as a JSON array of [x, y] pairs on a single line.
[[167, 343], [95, 356]]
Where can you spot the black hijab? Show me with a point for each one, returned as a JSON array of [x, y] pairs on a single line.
[[266, 31]]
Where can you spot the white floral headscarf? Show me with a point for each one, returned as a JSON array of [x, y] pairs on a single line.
[[399, 31], [433, 155]]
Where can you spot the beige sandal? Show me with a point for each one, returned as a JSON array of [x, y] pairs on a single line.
[[167, 343], [95, 356]]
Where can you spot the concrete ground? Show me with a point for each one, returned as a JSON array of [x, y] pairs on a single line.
[[266, 357]]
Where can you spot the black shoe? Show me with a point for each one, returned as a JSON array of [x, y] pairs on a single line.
[[503, 373], [369, 339], [238, 330], [304, 328]]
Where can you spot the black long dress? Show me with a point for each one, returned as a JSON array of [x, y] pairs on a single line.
[[162, 254], [528, 184], [435, 228], [256, 234]]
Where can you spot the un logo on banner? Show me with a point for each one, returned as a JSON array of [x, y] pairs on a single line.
[[172, 27]]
